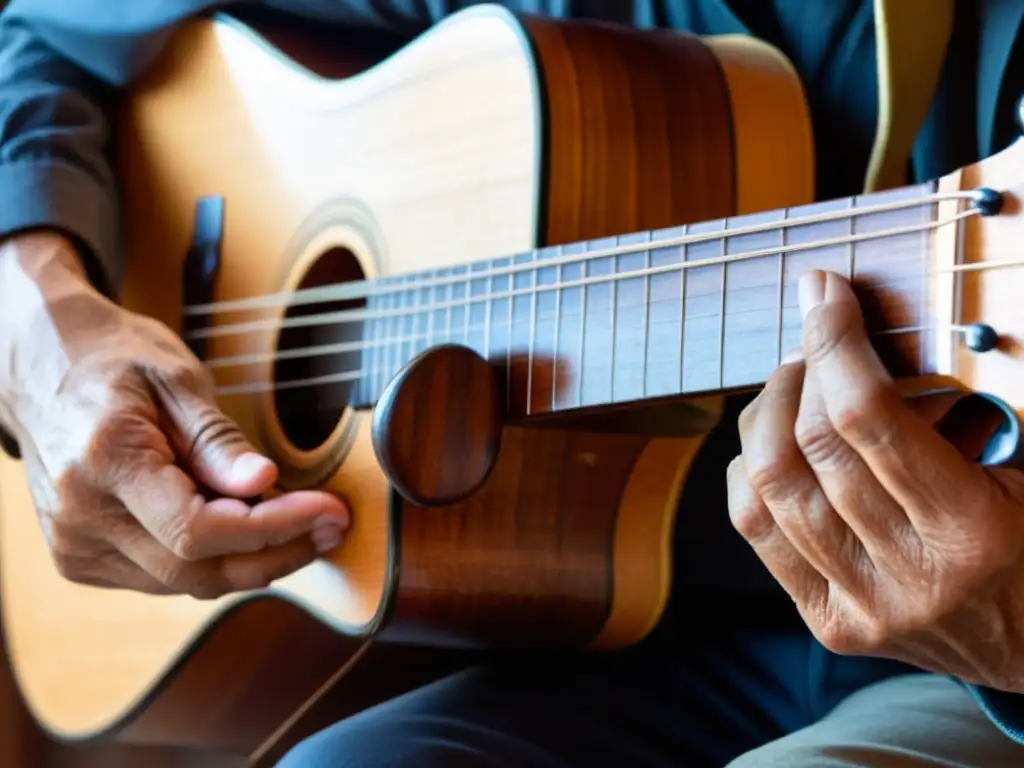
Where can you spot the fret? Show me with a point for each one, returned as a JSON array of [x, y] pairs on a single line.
[[440, 313], [684, 253], [545, 325], [629, 322], [443, 316], [431, 294], [572, 304], [555, 324], [625, 334], [851, 230], [390, 301], [519, 331], [364, 357], [407, 324], [487, 311], [459, 293], [890, 268], [374, 368], [380, 370], [476, 318], [664, 362], [701, 312], [646, 324], [391, 345], [613, 300], [583, 332], [721, 308], [781, 291], [596, 368], [469, 306], [423, 317], [835, 258], [532, 335], [499, 333], [750, 323]]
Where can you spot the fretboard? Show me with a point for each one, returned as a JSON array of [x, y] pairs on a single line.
[[687, 310]]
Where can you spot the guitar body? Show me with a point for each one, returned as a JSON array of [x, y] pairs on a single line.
[[488, 136]]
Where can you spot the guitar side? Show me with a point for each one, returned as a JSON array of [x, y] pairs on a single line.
[[487, 136]]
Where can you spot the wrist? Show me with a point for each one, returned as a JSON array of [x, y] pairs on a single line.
[[42, 256], [37, 271]]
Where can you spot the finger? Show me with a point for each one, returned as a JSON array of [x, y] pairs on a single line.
[[230, 526], [83, 558], [754, 522], [216, 576], [923, 472], [169, 506], [109, 569], [781, 477], [876, 520], [211, 444]]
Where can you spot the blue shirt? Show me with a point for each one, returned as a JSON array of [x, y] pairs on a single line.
[[63, 61]]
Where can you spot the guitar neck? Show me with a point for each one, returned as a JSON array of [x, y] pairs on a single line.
[[696, 309]]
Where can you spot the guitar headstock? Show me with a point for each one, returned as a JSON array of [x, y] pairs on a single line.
[[979, 276]]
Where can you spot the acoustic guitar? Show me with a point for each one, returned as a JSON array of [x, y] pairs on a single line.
[[490, 286]]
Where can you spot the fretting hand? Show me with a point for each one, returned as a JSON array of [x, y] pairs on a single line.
[[120, 437], [890, 542]]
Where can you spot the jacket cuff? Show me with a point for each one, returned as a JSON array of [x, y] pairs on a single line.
[[51, 194]]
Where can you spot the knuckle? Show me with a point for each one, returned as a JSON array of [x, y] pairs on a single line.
[[752, 521], [185, 534], [68, 566], [122, 441], [748, 415], [214, 429], [185, 375], [769, 475], [201, 582], [853, 632], [862, 416], [184, 544], [819, 442], [750, 518], [207, 589], [839, 637]]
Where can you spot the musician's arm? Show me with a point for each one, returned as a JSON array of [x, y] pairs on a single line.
[[60, 68]]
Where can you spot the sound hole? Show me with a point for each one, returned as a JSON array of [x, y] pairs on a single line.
[[308, 414]]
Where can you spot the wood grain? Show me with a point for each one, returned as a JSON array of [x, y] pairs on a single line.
[[454, 151], [299, 161], [567, 544]]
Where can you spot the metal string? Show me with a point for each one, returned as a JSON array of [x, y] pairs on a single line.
[[359, 315], [350, 291]]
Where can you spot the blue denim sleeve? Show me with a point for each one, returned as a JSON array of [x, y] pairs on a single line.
[[62, 62], [54, 171]]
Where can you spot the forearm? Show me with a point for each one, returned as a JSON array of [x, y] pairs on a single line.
[[38, 270], [59, 213]]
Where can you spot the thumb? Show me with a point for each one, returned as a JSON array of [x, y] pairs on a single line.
[[212, 445]]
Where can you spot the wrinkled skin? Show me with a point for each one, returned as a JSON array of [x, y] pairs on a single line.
[[138, 479], [888, 539]]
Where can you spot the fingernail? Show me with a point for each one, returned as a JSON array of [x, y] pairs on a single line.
[[795, 356], [249, 465], [326, 537], [811, 291]]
